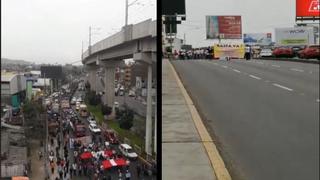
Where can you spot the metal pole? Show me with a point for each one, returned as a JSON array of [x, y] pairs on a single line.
[[155, 124], [46, 148], [89, 40], [126, 18]]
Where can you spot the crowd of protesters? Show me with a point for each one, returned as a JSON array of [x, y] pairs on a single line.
[[195, 53]]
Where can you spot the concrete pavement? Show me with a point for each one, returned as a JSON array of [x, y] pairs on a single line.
[[264, 114], [183, 152]]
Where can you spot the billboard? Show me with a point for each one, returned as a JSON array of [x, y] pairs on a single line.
[[52, 72], [228, 50], [257, 38], [294, 36], [223, 27], [170, 7], [307, 8]]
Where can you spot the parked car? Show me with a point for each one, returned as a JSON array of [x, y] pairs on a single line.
[[91, 120], [94, 128], [283, 51], [111, 137], [266, 53], [127, 151], [296, 50], [309, 52]]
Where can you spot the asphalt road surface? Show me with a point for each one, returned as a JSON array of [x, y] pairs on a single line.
[[263, 114]]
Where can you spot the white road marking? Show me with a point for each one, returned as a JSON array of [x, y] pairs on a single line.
[[255, 77], [275, 65], [225, 66], [318, 100], [283, 87], [259, 62], [298, 70], [235, 70], [215, 63]]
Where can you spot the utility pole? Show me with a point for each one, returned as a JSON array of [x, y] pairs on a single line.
[[126, 18], [89, 48], [81, 50]]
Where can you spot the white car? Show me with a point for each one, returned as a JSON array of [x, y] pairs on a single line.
[[91, 120], [116, 104], [94, 128], [266, 53], [127, 151]]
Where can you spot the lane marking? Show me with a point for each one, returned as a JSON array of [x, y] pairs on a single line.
[[225, 66], [259, 62], [215, 64], [298, 70], [275, 65], [219, 169], [255, 77], [283, 87], [317, 100], [235, 70]]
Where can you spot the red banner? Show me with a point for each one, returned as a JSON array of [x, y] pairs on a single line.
[[307, 8], [230, 27]]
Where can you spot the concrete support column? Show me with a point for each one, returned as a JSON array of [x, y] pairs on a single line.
[[109, 85], [155, 124], [92, 76], [149, 113]]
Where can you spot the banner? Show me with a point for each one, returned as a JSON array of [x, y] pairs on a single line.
[[229, 50], [307, 8], [297, 36], [257, 38], [223, 27]]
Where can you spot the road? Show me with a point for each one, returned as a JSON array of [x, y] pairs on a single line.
[[264, 115]]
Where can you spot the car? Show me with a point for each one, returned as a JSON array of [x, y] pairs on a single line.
[[111, 137], [94, 128], [91, 120], [265, 53], [132, 93], [127, 151], [309, 52], [116, 104], [296, 50], [283, 51]]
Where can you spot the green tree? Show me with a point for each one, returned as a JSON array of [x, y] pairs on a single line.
[[106, 110], [126, 119]]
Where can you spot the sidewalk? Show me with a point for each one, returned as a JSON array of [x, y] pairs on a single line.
[[183, 152]]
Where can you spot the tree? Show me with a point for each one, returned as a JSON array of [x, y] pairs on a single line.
[[126, 119], [106, 110]]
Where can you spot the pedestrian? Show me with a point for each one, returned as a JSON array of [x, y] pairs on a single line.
[[40, 155], [138, 170], [80, 170], [74, 167], [128, 175], [71, 171], [67, 164], [60, 172], [120, 174], [52, 167]]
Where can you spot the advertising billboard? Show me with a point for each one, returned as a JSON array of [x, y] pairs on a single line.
[[52, 72], [294, 36], [223, 27], [307, 8], [228, 50], [257, 38]]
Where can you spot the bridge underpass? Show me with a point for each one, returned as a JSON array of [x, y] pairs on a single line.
[[133, 41]]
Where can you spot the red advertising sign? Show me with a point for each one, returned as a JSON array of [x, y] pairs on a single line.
[[223, 27], [230, 27], [307, 8]]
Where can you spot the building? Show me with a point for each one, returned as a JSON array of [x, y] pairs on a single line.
[[13, 88], [13, 152]]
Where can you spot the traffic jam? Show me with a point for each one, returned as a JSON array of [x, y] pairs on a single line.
[[80, 148]]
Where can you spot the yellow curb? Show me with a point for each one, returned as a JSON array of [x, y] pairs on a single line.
[[216, 161]]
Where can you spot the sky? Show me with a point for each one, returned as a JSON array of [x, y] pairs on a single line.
[[258, 16], [52, 31]]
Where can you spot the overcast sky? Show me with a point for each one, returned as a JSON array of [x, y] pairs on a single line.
[[51, 31], [258, 16]]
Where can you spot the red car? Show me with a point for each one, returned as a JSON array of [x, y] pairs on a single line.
[[310, 52], [283, 52], [111, 137]]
